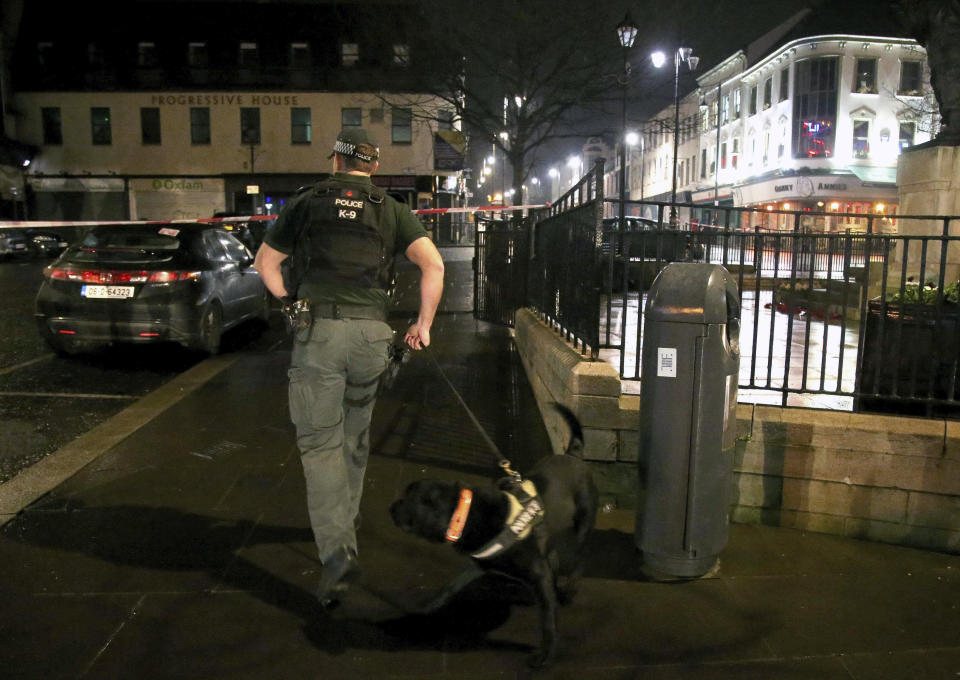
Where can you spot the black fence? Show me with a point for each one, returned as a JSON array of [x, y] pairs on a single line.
[[862, 320]]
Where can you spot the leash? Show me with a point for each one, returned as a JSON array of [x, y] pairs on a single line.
[[501, 459]]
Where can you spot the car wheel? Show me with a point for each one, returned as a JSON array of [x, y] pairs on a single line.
[[211, 329]]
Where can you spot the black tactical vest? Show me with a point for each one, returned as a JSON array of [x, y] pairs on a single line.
[[347, 239]]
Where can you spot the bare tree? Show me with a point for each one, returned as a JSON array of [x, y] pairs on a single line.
[[515, 72]]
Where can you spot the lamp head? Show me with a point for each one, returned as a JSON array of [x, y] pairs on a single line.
[[626, 32]]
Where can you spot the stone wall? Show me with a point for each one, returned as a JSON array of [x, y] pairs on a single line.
[[884, 478]]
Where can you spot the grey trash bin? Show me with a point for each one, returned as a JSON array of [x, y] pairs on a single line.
[[688, 400]]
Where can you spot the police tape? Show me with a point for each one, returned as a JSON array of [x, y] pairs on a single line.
[[35, 224]]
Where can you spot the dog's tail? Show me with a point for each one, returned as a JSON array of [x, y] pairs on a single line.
[[575, 447]]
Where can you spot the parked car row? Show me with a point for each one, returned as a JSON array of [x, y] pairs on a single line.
[[185, 283], [30, 243]]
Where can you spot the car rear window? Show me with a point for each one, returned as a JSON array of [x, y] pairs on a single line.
[[132, 245]]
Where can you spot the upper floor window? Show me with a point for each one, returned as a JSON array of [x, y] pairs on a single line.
[[401, 125], [815, 107], [725, 109], [911, 76], [768, 93], [45, 53], [200, 125], [351, 117], [95, 55], [300, 125], [753, 100], [197, 55], [865, 76], [53, 128], [401, 55], [249, 55], [150, 125], [444, 119], [250, 125], [349, 54], [737, 104], [299, 55], [861, 138], [784, 84], [100, 125], [703, 163], [147, 55], [907, 132]]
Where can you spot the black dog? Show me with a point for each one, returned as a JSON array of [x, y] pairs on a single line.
[[536, 538]]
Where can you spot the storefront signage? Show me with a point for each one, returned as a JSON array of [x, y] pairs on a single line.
[[224, 99], [176, 185], [803, 187]]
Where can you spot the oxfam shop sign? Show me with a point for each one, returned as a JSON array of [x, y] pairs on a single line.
[[176, 185]]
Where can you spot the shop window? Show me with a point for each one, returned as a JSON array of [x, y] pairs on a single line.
[[861, 139], [249, 56], [150, 125], [300, 125], [401, 125], [785, 84], [147, 55], [865, 76], [349, 54], [52, 126], [100, 126], [768, 93], [753, 100], [200, 125], [197, 55], [907, 132], [299, 55], [351, 117], [250, 125], [815, 107], [911, 73]]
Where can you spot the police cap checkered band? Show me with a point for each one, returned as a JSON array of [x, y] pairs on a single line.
[[350, 141]]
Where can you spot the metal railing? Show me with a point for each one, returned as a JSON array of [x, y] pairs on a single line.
[[855, 319]]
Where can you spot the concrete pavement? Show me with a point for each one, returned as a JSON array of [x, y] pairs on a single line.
[[182, 550]]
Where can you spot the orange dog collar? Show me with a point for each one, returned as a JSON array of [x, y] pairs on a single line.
[[459, 519]]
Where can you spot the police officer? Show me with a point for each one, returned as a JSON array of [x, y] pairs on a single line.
[[340, 237]]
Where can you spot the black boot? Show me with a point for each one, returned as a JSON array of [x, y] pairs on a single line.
[[339, 571]]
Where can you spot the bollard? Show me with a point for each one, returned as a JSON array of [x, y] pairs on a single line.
[[688, 401]]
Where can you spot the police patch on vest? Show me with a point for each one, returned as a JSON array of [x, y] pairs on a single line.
[[349, 205]]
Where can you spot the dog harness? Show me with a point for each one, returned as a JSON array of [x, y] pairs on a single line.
[[526, 511]]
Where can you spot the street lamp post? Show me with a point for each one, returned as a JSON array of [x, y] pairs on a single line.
[[627, 33], [682, 54]]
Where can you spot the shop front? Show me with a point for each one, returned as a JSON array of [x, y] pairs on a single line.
[[836, 203], [175, 198]]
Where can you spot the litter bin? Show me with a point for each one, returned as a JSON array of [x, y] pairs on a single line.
[[688, 401]]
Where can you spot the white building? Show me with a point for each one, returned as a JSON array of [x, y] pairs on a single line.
[[815, 126]]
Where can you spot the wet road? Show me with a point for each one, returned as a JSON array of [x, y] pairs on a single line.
[[47, 401]]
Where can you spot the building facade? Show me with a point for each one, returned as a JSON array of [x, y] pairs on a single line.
[[160, 115], [815, 126]]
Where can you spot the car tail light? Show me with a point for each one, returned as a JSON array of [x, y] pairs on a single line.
[[106, 276], [168, 276]]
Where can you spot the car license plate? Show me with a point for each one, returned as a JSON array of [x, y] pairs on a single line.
[[108, 292]]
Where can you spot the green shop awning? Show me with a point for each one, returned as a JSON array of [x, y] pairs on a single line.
[[870, 175]]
